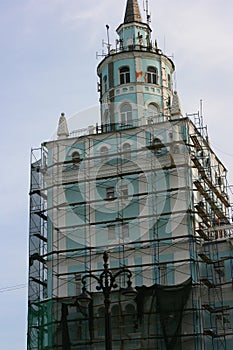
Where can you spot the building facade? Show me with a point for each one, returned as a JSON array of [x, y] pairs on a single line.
[[146, 187]]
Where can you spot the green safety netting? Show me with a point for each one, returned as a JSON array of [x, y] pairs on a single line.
[[159, 318], [167, 304]]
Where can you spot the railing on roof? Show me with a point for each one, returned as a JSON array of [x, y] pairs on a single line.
[[111, 127], [135, 47]]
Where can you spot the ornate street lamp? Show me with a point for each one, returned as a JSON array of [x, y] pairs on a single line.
[[106, 283]]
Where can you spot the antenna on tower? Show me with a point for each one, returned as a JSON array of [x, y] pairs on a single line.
[[146, 9], [107, 44]]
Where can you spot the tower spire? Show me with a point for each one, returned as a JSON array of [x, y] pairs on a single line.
[[132, 13]]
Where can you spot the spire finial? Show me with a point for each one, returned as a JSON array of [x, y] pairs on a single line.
[[176, 107], [62, 131], [132, 13]]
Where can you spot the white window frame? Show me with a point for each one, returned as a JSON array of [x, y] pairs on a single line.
[[124, 75], [126, 115], [152, 75]]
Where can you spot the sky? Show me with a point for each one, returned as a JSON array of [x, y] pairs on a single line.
[[48, 66]]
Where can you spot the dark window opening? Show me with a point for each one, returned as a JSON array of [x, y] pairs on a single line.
[[110, 193], [157, 146], [76, 159], [152, 75], [124, 75], [105, 84], [169, 82]]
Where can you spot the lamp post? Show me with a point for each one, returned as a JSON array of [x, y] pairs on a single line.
[[106, 283]]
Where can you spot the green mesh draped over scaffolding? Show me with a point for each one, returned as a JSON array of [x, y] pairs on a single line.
[[166, 303], [155, 323]]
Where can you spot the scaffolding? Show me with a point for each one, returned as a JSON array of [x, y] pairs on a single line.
[[160, 207], [37, 291], [214, 211]]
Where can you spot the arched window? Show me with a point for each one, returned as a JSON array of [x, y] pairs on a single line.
[[153, 110], [152, 75], [105, 84], [127, 151], [124, 75], [126, 114], [104, 153]]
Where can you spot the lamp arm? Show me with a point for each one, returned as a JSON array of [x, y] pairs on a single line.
[[122, 271], [89, 275]]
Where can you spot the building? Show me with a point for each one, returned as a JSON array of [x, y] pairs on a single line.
[[146, 187]]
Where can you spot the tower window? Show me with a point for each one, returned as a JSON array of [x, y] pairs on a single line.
[[105, 84], [153, 110], [152, 75], [124, 75], [104, 154], [126, 114]]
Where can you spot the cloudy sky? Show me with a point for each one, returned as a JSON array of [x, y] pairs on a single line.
[[48, 62]]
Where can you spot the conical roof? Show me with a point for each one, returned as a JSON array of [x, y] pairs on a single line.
[[132, 13]]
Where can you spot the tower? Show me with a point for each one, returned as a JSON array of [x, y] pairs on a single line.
[[136, 77], [146, 187]]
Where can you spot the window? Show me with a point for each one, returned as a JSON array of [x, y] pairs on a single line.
[[116, 320], [127, 151], [157, 146], [111, 233], [99, 319], [125, 231], [163, 273], [105, 119], [153, 110], [78, 284], [152, 75], [110, 193], [105, 84], [124, 75], [126, 114], [123, 191], [169, 82], [219, 269], [104, 154], [129, 319], [75, 159]]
